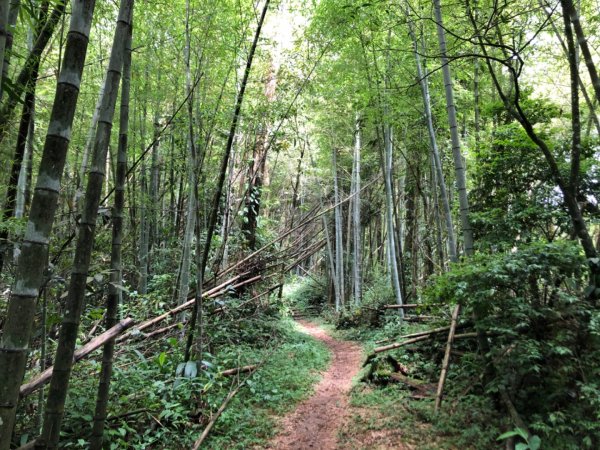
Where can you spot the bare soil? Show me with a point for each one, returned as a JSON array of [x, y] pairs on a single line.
[[316, 421]]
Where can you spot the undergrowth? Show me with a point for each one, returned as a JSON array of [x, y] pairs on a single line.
[[152, 407]]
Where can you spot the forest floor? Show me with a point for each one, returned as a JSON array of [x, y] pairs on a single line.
[[323, 420]]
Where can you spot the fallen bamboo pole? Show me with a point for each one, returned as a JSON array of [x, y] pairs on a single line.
[[224, 287], [417, 337], [406, 306], [238, 370], [80, 353], [425, 333], [446, 361], [282, 236], [395, 345], [212, 422]]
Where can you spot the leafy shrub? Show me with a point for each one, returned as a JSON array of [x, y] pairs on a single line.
[[303, 293], [542, 336]]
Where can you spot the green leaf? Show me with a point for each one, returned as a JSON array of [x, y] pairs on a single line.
[[191, 369], [535, 443], [521, 446], [516, 432], [507, 435]]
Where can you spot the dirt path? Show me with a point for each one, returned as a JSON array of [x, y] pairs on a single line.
[[316, 421]]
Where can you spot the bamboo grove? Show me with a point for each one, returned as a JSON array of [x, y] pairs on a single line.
[[172, 164]]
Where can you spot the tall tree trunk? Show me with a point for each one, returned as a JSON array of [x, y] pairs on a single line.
[[459, 167], [144, 226], [115, 287], [4, 10], [593, 116], [63, 363], [461, 184], [394, 272], [357, 228], [571, 12], [435, 152], [12, 190], [13, 15], [32, 261], [154, 182], [339, 249], [212, 222], [513, 106], [89, 143], [190, 220], [575, 112]]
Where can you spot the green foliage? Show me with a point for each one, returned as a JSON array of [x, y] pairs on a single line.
[[539, 328], [513, 199], [173, 406], [304, 293], [531, 442]]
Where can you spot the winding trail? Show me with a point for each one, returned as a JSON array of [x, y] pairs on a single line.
[[316, 421]]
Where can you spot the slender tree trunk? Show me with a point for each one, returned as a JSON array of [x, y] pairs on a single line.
[[154, 182], [437, 216], [339, 249], [23, 184], [513, 106], [593, 116], [357, 224], [570, 11], [12, 191], [461, 184], [4, 10], [435, 152], [459, 167], [212, 222], [26, 73], [89, 143], [575, 112], [144, 226], [190, 221], [21, 309], [63, 363], [115, 288], [394, 273], [13, 15]]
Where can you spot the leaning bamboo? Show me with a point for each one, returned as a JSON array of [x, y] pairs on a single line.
[[238, 370], [395, 345], [79, 354], [148, 323], [213, 293], [446, 361], [214, 419], [406, 306]]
